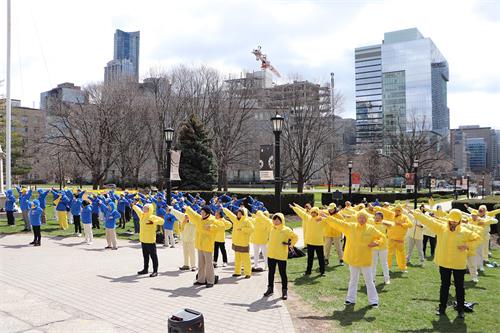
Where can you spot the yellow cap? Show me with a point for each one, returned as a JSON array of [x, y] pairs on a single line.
[[483, 207], [332, 206], [455, 215], [315, 210], [398, 207]]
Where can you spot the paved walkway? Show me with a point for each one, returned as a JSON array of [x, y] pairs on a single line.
[[67, 286]]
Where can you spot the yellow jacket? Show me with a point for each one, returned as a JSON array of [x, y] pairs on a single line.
[[277, 236], [357, 252], [186, 228], [220, 236], [401, 225], [382, 227], [315, 231], [303, 215], [416, 231], [447, 253], [263, 226], [205, 230], [478, 230], [148, 223], [330, 231], [492, 213], [242, 228]]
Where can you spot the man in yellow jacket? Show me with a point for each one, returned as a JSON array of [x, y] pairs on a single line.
[[242, 229], [358, 253], [206, 228], [280, 239], [314, 237], [147, 237], [453, 246], [396, 235], [259, 239], [334, 236]]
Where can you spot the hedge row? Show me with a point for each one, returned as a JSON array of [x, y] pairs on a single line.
[[327, 198], [267, 199]]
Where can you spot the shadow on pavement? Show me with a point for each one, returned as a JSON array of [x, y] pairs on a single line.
[[182, 291], [173, 273], [125, 279], [443, 324], [345, 317], [259, 305]]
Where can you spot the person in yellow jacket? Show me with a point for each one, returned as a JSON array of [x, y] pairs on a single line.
[[489, 219], [473, 256], [147, 237], [280, 239], [358, 253], [380, 251], [454, 244], [484, 225], [314, 238], [187, 232], [334, 236], [242, 229], [396, 235], [415, 238], [220, 239], [303, 214], [259, 238], [206, 229]]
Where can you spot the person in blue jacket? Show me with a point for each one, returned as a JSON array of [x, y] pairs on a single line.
[[42, 198], [61, 201], [87, 221], [122, 207], [10, 202], [168, 226], [110, 217], [76, 210], [35, 216], [24, 198], [95, 211], [135, 217]]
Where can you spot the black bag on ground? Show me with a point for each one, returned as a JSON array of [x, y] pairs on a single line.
[[468, 307], [295, 253], [159, 238]]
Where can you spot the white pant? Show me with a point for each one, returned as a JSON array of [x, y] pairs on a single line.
[[169, 238], [382, 254], [479, 257], [87, 230], [420, 248], [472, 266], [353, 284], [486, 244], [257, 248], [188, 251], [70, 218], [328, 247]]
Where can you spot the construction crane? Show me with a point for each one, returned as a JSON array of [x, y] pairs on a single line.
[[265, 63]]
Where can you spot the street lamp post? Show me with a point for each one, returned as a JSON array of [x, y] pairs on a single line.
[[169, 135], [468, 185], [349, 165], [415, 186], [277, 121], [483, 186], [430, 183], [455, 187]]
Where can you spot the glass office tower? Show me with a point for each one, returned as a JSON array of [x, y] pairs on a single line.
[[127, 47]]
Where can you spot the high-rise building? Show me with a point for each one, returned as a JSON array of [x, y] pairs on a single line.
[[125, 63], [65, 92], [399, 82]]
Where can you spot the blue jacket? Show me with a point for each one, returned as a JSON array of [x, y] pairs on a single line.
[[42, 195], [63, 203], [35, 214], [24, 199], [87, 214], [95, 204], [76, 206], [110, 215], [122, 204], [10, 201], [169, 220]]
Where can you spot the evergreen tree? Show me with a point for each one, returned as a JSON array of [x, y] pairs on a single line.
[[196, 164]]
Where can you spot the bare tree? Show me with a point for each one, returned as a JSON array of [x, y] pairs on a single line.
[[374, 168]]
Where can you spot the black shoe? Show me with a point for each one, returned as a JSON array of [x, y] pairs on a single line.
[[209, 285], [327, 262], [144, 271], [284, 295], [440, 312], [248, 276], [461, 315], [32, 243], [341, 262], [322, 275], [184, 268], [347, 303], [199, 283], [307, 273], [374, 306], [268, 293], [236, 275], [107, 247], [153, 274], [37, 244]]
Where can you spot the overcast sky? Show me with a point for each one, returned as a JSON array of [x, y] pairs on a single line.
[[56, 41]]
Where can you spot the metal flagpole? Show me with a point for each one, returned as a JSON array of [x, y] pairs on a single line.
[[8, 110]]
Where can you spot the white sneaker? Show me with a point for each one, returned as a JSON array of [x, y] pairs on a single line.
[[388, 282], [476, 280], [224, 264], [79, 235]]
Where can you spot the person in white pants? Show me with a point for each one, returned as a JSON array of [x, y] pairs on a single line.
[[188, 231], [416, 238], [259, 239], [87, 221], [380, 252], [473, 257], [358, 253]]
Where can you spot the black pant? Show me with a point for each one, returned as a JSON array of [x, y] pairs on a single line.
[[11, 220], [310, 257], [432, 242], [95, 220], [128, 213], [36, 233], [343, 244], [222, 247], [271, 263], [458, 279], [149, 250], [122, 220], [78, 225]]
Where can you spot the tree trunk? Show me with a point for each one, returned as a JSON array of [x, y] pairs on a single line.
[[219, 179], [300, 183], [225, 178]]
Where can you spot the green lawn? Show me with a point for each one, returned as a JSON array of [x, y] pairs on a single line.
[[406, 305]]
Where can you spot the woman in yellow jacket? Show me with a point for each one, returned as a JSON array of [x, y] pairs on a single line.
[[147, 237], [220, 239], [358, 253], [280, 239], [187, 232], [259, 238], [381, 251], [206, 228], [314, 238], [396, 235], [488, 219], [454, 244], [242, 229], [473, 256], [334, 236]]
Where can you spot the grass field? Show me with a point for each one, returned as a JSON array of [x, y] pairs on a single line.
[[406, 305]]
